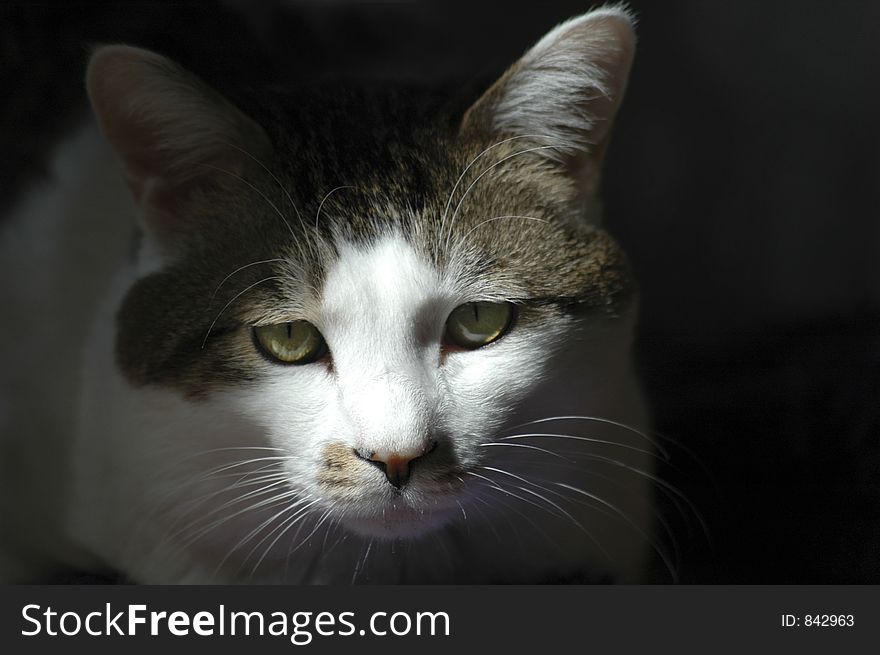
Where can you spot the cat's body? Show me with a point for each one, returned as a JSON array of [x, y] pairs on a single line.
[[159, 436]]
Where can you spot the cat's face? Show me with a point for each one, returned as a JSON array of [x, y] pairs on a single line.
[[361, 323], [404, 347]]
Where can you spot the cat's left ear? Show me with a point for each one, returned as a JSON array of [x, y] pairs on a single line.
[[174, 134], [563, 94]]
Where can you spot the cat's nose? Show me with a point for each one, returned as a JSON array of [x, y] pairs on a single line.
[[397, 466]]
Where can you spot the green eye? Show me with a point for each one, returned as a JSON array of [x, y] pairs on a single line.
[[297, 342], [476, 324]]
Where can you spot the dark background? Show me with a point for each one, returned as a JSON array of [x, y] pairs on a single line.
[[741, 180]]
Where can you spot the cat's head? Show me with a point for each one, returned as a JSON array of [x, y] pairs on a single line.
[[358, 297]]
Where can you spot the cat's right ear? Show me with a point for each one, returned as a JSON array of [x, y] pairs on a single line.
[[173, 133], [559, 100]]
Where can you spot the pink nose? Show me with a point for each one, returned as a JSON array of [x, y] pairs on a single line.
[[396, 466]]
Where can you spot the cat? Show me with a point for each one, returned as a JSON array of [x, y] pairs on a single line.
[[329, 336]]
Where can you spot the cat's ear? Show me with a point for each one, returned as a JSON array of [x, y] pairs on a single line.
[[174, 134], [562, 95]]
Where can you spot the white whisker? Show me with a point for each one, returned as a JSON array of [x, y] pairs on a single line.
[[580, 438], [264, 503], [315, 529], [288, 523], [194, 503], [324, 199], [274, 177], [234, 298], [268, 488], [494, 484], [487, 520], [624, 517], [296, 507], [362, 561], [241, 268], [483, 174], [526, 446], [556, 506], [256, 190], [537, 528], [606, 421], [474, 161]]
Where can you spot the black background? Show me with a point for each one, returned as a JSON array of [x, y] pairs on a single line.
[[741, 180]]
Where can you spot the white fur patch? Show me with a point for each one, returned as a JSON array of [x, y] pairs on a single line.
[[382, 314]]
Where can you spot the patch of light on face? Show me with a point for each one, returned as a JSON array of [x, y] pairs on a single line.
[[375, 296], [390, 272], [380, 301], [390, 260]]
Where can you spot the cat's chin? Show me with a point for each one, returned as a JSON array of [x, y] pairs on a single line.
[[398, 524]]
